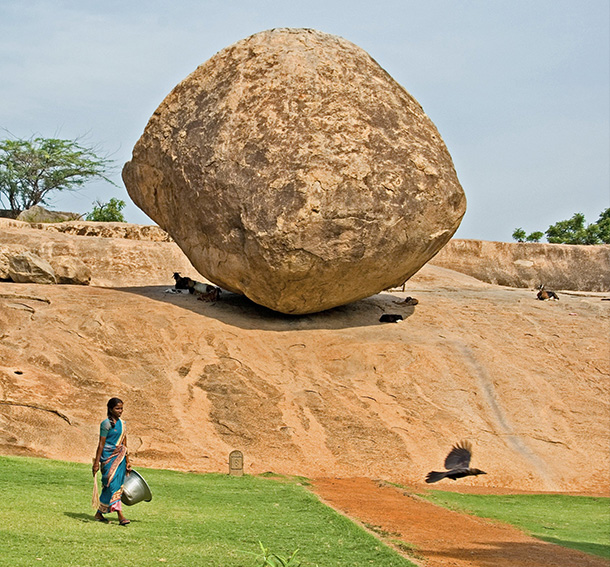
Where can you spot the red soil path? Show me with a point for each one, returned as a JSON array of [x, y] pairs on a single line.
[[443, 537]]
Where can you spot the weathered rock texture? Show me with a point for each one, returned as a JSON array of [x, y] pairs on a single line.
[[330, 394], [40, 214], [128, 255], [130, 259], [292, 168], [30, 268], [99, 229], [557, 266], [71, 270]]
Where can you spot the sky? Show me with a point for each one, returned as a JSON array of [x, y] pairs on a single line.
[[518, 89]]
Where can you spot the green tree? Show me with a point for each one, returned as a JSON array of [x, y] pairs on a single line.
[[107, 212], [535, 236], [603, 223], [573, 231], [31, 169], [519, 235]]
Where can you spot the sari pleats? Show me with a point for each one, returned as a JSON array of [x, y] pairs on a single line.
[[113, 467]]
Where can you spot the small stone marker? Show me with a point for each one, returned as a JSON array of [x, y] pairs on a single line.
[[236, 463]]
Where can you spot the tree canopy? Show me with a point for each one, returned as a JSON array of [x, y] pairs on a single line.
[[572, 231], [31, 169], [107, 212]]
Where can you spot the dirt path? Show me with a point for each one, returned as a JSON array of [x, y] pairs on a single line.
[[442, 537]]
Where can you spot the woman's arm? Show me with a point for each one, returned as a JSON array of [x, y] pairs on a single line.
[[98, 455]]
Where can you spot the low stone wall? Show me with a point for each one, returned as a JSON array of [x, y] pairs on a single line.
[[527, 265]]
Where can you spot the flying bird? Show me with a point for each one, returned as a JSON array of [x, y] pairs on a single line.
[[457, 464]]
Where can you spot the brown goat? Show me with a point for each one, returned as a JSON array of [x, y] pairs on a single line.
[[546, 294]]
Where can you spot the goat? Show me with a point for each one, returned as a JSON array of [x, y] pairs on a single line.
[[204, 292], [545, 295], [390, 318], [212, 293], [181, 283]]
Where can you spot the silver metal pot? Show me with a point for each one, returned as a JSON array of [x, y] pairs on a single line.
[[135, 489]]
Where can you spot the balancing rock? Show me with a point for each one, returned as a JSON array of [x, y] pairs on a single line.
[[290, 167]]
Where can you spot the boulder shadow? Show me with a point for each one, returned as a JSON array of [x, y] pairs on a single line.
[[237, 310]]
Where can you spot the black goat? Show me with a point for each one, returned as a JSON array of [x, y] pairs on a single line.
[[390, 318]]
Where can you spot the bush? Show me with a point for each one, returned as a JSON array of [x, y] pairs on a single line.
[[107, 212]]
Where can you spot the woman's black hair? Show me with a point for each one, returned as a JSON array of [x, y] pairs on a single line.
[[112, 403]]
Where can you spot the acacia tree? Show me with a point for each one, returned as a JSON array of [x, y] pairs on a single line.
[[31, 169]]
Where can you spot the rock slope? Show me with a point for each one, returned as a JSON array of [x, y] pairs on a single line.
[[335, 393]]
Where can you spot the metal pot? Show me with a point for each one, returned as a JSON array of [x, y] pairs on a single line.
[[135, 489]]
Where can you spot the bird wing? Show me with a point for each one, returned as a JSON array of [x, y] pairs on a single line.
[[459, 456]]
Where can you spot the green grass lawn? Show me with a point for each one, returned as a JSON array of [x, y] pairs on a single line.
[[210, 520], [579, 522]]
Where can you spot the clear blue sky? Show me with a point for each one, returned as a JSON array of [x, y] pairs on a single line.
[[518, 89]]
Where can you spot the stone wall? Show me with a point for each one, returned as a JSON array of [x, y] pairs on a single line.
[[524, 264]]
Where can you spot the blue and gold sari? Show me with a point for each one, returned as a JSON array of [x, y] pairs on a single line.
[[113, 465]]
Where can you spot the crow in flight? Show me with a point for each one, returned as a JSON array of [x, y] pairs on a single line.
[[457, 464]]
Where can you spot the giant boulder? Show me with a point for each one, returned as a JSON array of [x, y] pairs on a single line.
[[292, 168]]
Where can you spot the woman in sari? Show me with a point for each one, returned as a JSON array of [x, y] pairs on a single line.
[[113, 459]]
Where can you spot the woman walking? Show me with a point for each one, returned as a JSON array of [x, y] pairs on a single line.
[[113, 458]]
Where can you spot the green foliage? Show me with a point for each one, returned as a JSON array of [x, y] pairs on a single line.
[[603, 225], [519, 235], [578, 522], [107, 212], [214, 520], [31, 169], [572, 231], [535, 237], [274, 560]]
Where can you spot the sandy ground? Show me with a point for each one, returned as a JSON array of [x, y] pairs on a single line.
[[441, 537]]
